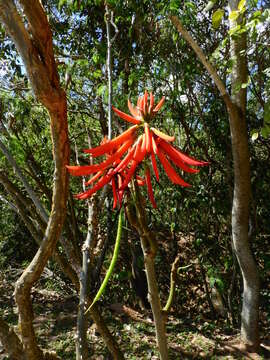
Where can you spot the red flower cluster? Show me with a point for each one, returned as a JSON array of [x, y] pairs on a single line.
[[126, 151]]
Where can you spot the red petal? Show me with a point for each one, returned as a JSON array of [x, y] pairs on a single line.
[[132, 110], [159, 105], [172, 174], [154, 165], [109, 146], [181, 156], [170, 151], [83, 170], [117, 155], [145, 102], [137, 152], [125, 161], [125, 116], [139, 102], [162, 135], [154, 145], [129, 175], [114, 193], [103, 181], [149, 187], [148, 140], [94, 178]]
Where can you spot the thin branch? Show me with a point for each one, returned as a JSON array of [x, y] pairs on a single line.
[[25, 182], [109, 69], [198, 51]]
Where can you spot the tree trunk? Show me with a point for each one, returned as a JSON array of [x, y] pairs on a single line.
[[137, 219], [34, 43], [52, 234], [236, 108], [242, 188]]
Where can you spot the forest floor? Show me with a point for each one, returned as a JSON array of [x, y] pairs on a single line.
[[55, 323]]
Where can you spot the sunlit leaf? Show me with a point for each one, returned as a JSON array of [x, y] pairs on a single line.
[[234, 15], [241, 5], [217, 18], [209, 5], [255, 136]]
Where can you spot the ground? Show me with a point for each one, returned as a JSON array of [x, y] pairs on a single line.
[[55, 322]]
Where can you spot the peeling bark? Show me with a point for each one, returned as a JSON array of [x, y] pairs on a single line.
[[36, 50]]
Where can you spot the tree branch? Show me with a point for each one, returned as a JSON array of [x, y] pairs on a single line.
[[37, 57], [42, 73], [198, 51]]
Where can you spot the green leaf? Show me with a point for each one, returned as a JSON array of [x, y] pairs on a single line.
[[101, 90], [190, 5], [241, 5], [265, 131], [234, 15], [255, 136], [97, 74], [174, 5], [235, 30], [61, 3], [256, 14], [217, 18], [210, 5]]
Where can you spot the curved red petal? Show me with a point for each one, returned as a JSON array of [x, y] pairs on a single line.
[[112, 144], [148, 140], [94, 178], [126, 117], [129, 174], [132, 110], [174, 156], [83, 170], [149, 187], [145, 100], [181, 156], [114, 193], [162, 135], [86, 194], [124, 162], [154, 165], [159, 105], [172, 174]]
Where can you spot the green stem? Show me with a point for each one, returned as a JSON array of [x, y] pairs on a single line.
[[113, 262]]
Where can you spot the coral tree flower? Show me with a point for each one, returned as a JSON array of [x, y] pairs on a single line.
[[139, 143]]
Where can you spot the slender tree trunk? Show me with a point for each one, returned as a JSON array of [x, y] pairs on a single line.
[[53, 232], [236, 108], [148, 243], [242, 188], [153, 295], [34, 43], [81, 340]]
